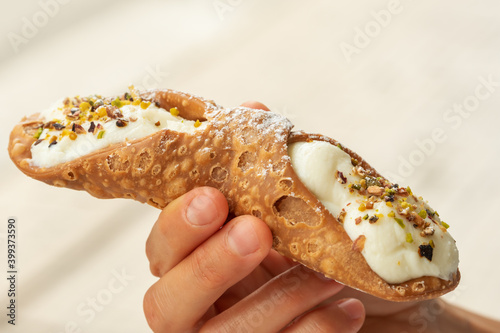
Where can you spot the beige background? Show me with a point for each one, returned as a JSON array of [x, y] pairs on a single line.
[[384, 99]]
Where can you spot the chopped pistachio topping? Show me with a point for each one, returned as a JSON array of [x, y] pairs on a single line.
[[390, 191], [133, 92], [174, 112], [93, 109], [367, 192], [85, 106], [145, 104], [445, 224], [117, 102], [409, 238], [38, 133], [405, 204], [423, 214], [101, 111], [400, 222], [408, 189]]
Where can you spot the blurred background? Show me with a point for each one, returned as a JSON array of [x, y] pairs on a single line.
[[412, 86]]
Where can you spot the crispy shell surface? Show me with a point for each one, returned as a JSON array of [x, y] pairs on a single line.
[[243, 153]]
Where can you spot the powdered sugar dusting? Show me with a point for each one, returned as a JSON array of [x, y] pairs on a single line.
[[264, 122]]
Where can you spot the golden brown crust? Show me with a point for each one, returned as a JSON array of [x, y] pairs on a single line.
[[243, 153]]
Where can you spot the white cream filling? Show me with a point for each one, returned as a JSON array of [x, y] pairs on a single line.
[[67, 150], [386, 248]]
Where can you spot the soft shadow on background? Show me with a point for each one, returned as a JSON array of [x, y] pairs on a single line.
[[413, 87]]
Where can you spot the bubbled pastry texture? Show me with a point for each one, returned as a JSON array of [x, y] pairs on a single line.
[[243, 153]]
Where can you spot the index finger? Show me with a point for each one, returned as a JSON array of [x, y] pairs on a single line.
[[255, 105], [180, 299]]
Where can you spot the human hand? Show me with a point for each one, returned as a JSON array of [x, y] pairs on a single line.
[[226, 278]]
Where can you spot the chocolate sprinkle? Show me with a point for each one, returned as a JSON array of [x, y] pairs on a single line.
[[113, 112], [78, 129], [389, 198], [425, 250], [340, 177], [121, 123], [58, 126], [97, 104], [91, 127]]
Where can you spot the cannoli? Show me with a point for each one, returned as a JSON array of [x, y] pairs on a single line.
[[327, 208]]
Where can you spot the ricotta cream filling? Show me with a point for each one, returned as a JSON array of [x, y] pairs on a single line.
[[140, 122], [393, 247]]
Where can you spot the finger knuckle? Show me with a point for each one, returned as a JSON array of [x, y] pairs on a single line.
[[318, 326], [290, 291], [229, 325], [308, 324], [160, 307], [205, 270]]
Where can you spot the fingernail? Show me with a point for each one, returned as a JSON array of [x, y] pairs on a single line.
[[201, 210], [353, 308], [242, 238]]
